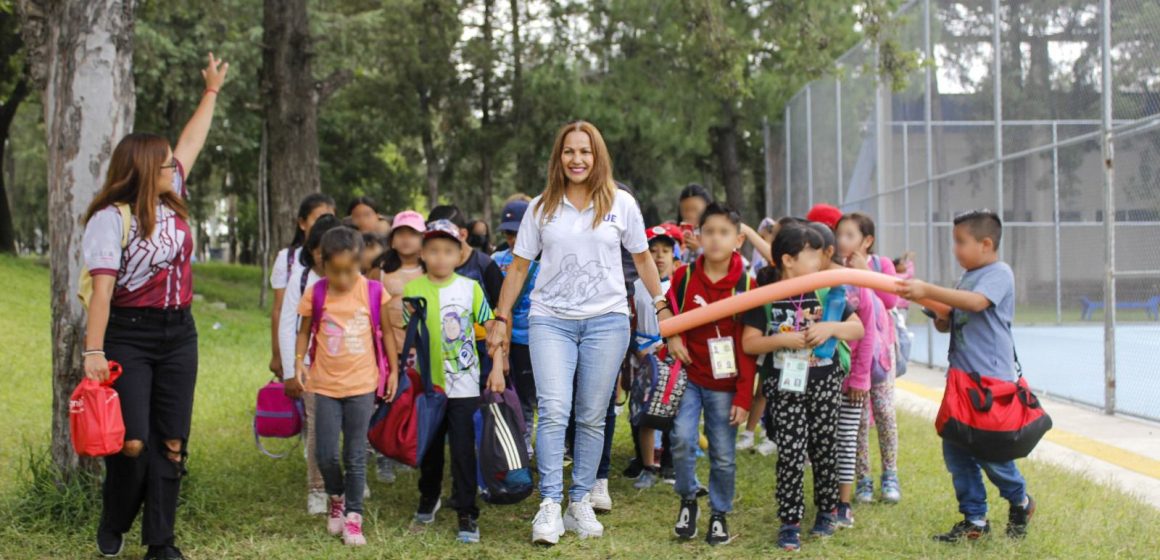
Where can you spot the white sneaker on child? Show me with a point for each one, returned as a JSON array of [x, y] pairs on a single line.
[[767, 448], [601, 500], [548, 526], [581, 519], [316, 502], [745, 442]]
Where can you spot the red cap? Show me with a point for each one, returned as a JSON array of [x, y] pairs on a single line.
[[664, 230], [825, 214]]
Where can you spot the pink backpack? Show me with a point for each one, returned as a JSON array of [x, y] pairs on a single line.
[[276, 416], [374, 296]]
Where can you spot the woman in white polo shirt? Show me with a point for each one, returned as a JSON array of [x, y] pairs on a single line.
[[578, 326]]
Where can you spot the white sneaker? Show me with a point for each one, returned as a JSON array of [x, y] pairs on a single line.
[[767, 448], [317, 502], [601, 501], [745, 442], [581, 519], [548, 526]]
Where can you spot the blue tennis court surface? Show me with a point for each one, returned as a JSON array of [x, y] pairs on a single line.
[[1068, 361]]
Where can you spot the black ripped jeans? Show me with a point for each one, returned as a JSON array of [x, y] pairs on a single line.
[[157, 350]]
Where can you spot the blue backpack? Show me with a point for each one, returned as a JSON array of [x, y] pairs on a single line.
[[503, 467]]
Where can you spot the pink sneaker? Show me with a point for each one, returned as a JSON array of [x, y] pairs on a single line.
[[334, 520], [352, 534]]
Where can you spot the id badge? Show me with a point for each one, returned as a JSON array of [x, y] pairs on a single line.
[[722, 358], [794, 373]]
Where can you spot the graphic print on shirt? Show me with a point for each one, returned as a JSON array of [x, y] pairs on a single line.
[[458, 344], [574, 283], [787, 321], [351, 337]]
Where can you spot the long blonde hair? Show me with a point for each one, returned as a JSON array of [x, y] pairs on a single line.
[[599, 179]]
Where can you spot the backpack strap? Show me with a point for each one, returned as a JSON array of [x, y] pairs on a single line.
[[683, 286], [303, 280], [375, 296], [874, 263], [417, 338], [126, 222], [317, 305], [289, 261]]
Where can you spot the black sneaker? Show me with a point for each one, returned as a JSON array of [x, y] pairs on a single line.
[[1018, 518], [702, 492], [634, 468], [964, 530], [718, 530], [686, 527], [427, 508], [109, 543], [468, 529], [669, 475], [164, 552]]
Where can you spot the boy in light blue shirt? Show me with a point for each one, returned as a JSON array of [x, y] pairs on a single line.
[[983, 309]]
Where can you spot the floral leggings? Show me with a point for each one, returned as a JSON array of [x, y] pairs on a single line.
[[806, 426], [881, 401]]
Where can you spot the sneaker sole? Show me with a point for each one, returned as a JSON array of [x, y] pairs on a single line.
[[467, 538], [426, 521], [550, 539], [114, 554], [581, 533]]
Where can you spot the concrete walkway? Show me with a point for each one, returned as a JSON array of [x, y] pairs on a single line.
[[1118, 451]]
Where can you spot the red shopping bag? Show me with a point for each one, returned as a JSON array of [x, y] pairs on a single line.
[[94, 418]]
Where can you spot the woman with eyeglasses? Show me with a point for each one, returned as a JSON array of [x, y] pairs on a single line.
[[137, 246]]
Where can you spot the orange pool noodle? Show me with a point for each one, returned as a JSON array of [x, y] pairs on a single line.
[[781, 290]]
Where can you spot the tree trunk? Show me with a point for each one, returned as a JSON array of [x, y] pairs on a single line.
[[7, 113], [290, 102], [487, 123], [430, 156], [527, 168], [725, 141], [81, 55]]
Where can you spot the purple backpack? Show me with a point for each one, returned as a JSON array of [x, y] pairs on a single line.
[[276, 416], [374, 296]]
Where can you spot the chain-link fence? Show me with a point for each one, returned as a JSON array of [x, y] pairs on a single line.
[[1030, 145]]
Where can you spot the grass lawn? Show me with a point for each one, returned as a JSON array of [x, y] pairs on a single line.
[[240, 504]]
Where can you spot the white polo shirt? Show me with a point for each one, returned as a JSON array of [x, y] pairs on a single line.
[[581, 275]]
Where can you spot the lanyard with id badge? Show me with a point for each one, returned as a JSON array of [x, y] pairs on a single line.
[[795, 368], [721, 356]]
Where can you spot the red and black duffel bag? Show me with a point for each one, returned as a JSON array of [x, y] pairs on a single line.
[[993, 419]]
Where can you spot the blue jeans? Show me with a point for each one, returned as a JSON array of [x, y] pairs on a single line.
[[589, 352], [968, 481], [722, 445]]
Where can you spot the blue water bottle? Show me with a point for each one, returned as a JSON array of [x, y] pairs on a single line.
[[835, 305]]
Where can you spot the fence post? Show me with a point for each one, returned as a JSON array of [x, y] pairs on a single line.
[[766, 140], [1109, 209], [809, 145], [788, 160], [928, 129], [1055, 221], [838, 138], [997, 70]]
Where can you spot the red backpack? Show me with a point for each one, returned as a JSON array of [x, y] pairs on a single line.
[[94, 416], [995, 420]]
